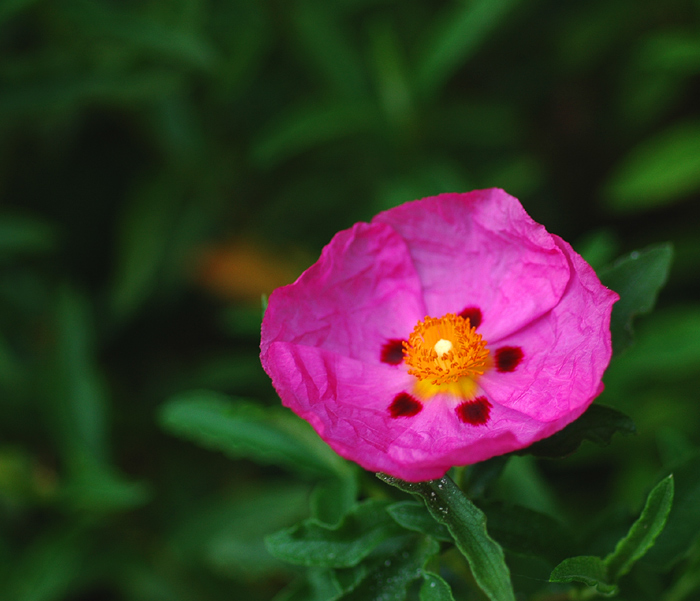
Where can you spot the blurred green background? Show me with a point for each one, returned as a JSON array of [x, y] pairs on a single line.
[[163, 163]]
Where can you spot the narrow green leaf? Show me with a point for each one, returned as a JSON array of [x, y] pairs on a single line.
[[604, 574], [637, 278], [683, 526], [671, 51], [143, 238], [454, 38], [47, 569], [598, 425], [392, 82], [77, 410], [309, 126], [25, 235], [243, 428], [77, 395], [643, 532], [140, 32], [660, 171], [467, 524], [415, 516], [327, 43], [68, 92], [312, 543], [434, 588], [395, 567], [99, 487], [9, 8], [587, 569]]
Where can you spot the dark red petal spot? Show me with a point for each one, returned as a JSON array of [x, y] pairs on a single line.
[[392, 352], [404, 405], [508, 358], [473, 314], [476, 412]]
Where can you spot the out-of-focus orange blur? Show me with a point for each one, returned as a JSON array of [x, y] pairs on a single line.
[[243, 270]]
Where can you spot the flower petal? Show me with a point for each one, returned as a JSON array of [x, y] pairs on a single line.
[[481, 249], [565, 352], [362, 293]]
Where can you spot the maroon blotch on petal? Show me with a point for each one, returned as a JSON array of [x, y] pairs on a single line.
[[473, 314], [508, 358], [404, 405], [476, 412], [392, 352]]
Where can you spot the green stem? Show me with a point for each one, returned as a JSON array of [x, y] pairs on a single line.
[[467, 523]]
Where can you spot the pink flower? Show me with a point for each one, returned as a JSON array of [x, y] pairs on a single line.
[[445, 332]]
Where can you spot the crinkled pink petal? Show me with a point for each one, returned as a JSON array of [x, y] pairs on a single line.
[[481, 249], [362, 292], [565, 352]]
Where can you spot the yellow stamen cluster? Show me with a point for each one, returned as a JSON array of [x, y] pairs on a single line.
[[444, 350]]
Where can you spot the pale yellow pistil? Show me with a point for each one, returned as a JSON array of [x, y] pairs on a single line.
[[446, 355]]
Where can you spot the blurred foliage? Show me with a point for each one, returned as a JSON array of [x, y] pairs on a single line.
[[164, 163]]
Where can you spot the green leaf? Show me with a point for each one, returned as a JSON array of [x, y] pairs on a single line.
[[467, 524], [140, 33], [587, 569], [333, 498], [527, 532], [312, 543], [667, 348], [69, 92], [98, 487], [637, 278], [671, 51], [226, 532], [77, 394], [247, 514], [243, 428], [25, 235], [237, 546], [455, 37], [143, 240], [9, 8], [309, 126], [49, 568], [77, 413], [327, 44], [598, 425], [391, 78], [416, 517], [394, 568], [659, 171], [683, 526], [479, 476], [434, 588], [604, 574], [643, 532]]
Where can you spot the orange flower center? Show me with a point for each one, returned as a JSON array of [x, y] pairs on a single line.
[[444, 351]]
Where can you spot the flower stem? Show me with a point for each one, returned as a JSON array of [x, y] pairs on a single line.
[[467, 523]]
